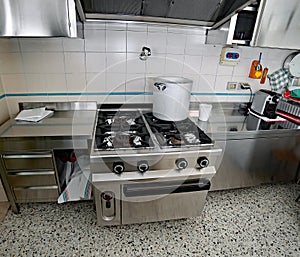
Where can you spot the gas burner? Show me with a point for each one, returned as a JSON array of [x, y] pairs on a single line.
[[177, 133], [191, 138], [128, 130], [121, 130], [175, 141]]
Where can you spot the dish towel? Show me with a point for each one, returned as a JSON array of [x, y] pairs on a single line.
[[280, 80], [79, 186]]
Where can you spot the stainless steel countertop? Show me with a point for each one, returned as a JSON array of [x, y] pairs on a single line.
[[62, 123], [226, 117], [64, 129], [74, 128]]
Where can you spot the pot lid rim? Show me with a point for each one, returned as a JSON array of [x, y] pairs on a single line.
[[171, 79]]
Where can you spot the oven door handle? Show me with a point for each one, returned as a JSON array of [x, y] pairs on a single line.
[[162, 188]]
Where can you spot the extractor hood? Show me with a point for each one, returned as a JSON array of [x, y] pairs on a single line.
[[38, 18], [208, 13]]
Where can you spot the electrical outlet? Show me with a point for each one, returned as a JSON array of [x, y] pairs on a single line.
[[243, 85], [232, 85]]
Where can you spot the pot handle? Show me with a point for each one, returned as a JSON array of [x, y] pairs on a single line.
[[160, 86]]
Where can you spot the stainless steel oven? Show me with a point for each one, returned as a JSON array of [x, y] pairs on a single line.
[[145, 169], [151, 198]]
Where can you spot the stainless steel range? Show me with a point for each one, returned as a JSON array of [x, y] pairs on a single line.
[[146, 169]]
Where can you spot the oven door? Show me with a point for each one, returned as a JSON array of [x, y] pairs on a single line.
[[163, 200]]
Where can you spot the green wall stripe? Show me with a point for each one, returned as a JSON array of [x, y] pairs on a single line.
[[116, 93]]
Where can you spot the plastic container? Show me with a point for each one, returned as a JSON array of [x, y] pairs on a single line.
[[204, 111]]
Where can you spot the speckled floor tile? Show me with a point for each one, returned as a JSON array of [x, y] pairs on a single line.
[[258, 221]]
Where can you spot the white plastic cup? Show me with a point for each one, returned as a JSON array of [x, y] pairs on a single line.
[[204, 111]]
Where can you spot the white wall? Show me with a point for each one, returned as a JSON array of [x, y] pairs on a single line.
[[57, 69], [4, 115]]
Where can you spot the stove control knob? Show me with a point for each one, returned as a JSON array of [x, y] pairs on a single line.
[[181, 163], [142, 166], [107, 196], [118, 167], [203, 162], [275, 99]]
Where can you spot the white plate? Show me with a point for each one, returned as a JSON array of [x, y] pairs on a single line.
[[295, 66]]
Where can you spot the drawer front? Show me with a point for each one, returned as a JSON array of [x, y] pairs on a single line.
[[28, 162], [36, 194], [27, 179]]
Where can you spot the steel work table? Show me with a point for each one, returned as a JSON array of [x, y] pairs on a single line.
[[250, 157], [27, 164]]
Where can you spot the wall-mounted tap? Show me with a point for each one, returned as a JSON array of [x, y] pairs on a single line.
[[146, 51]]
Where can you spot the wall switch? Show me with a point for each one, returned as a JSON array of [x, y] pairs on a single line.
[[232, 85]]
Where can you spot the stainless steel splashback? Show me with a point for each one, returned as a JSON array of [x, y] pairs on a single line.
[[38, 18]]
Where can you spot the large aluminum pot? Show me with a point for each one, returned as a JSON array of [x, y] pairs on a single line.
[[171, 98]]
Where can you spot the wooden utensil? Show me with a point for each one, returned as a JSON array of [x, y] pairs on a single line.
[[264, 75], [256, 68]]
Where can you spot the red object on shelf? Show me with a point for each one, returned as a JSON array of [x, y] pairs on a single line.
[[287, 95], [72, 157], [288, 116]]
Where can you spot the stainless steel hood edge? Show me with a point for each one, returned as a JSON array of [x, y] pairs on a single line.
[[38, 18], [222, 12], [116, 17]]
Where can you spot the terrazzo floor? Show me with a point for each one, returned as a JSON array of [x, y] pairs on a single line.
[[257, 221]]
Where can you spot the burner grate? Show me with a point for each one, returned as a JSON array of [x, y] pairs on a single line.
[[121, 130], [177, 134]]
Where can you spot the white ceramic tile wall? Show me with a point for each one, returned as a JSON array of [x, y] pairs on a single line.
[[136, 39], [74, 62], [76, 82], [14, 83], [107, 60], [42, 45], [95, 62], [157, 41], [95, 82], [135, 83], [1, 88], [134, 64], [11, 63], [116, 62], [94, 41], [3, 106]]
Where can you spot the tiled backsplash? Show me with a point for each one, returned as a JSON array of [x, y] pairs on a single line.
[[3, 106], [105, 66]]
